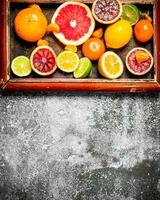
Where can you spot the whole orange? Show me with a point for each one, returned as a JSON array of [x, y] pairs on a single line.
[[93, 48], [30, 24], [143, 30]]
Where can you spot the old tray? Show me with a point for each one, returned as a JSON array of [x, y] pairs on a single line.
[[11, 46]]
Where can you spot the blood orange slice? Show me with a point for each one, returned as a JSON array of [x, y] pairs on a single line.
[[43, 60], [107, 11], [75, 21], [139, 61]]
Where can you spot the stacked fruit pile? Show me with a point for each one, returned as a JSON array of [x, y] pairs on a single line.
[[73, 24]]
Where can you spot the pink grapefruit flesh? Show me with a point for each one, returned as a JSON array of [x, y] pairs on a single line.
[[75, 21]]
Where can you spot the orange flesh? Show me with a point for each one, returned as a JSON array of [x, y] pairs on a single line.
[[54, 28]]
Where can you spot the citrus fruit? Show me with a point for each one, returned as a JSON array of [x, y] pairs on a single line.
[[84, 68], [110, 65], [139, 61], [118, 34], [30, 24], [53, 27], [43, 60], [98, 33], [93, 48], [71, 48], [21, 66], [67, 61], [42, 43], [143, 30], [75, 21], [107, 11], [131, 13]]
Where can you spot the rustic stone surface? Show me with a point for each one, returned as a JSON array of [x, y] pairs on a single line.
[[79, 146]]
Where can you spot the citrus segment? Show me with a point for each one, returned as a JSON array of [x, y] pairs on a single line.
[[71, 48], [43, 60], [110, 65], [98, 33], [84, 68], [67, 61], [53, 27], [21, 66], [75, 21], [130, 13], [35, 6], [42, 43]]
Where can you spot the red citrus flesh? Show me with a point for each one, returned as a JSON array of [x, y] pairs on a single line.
[[134, 66], [106, 11], [75, 21], [43, 60]]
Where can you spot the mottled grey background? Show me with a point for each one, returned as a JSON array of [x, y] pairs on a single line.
[[79, 146]]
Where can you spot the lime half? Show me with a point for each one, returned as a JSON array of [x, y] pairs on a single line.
[[131, 13], [21, 66], [84, 68]]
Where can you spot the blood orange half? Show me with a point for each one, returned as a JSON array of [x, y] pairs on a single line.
[[75, 21], [43, 60]]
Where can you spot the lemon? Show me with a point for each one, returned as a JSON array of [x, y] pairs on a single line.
[[118, 34], [110, 65], [21, 66], [67, 61]]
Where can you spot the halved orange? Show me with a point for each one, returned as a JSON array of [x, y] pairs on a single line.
[[110, 65]]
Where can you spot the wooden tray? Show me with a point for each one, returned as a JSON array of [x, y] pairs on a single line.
[[12, 46]]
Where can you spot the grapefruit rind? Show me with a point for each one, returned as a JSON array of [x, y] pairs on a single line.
[[138, 73], [37, 71], [107, 22], [101, 66], [60, 36]]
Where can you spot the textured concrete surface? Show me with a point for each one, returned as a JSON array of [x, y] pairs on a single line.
[[79, 146]]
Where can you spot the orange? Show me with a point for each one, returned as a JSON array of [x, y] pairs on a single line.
[[143, 30], [30, 24], [142, 56], [93, 48]]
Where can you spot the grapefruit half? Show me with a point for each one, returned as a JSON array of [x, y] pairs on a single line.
[[75, 21]]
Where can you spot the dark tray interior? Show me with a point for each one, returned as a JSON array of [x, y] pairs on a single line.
[[20, 47]]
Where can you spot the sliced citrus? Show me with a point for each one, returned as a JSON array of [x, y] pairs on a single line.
[[130, 13], [67, 61], [110, 65], [75, 21], [21, 66], [71, 48], [43, 60], [84, 68]]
